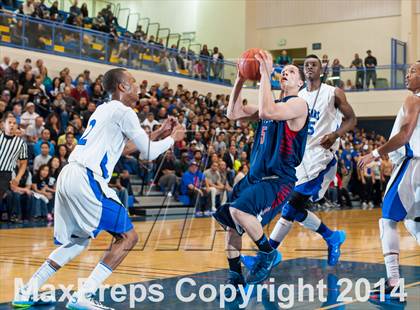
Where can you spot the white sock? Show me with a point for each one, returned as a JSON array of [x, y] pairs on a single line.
[[96, 278], [392, 266], [281, 230], [40, 277], [311, 221]]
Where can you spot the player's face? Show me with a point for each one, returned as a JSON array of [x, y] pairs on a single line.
[[131, 89], [290, 77], [312, 69], [412, 79]]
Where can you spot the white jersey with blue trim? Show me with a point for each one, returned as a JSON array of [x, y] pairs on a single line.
[[103, 141], [413, 147], [325, 117]]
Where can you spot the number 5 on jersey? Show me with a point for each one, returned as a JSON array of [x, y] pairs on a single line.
[[83, 139]]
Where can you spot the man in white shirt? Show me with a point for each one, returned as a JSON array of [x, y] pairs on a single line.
[[84, 203], [6, 63], [150, 121], [43, 158], [29, 116]]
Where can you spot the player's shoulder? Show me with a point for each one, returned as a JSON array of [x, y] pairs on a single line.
[[412, 101]]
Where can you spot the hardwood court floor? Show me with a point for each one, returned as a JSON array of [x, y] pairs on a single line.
[[172, 248]]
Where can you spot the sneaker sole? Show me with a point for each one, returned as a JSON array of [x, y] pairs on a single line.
[[22, 304]]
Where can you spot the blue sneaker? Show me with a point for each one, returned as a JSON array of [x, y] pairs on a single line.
[[249, 261], [334, 243], [389, 296], [262, 267]]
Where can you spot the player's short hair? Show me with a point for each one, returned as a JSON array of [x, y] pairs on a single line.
[[313, 56], [112, 78]]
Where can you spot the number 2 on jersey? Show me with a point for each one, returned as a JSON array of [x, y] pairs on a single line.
[[83, 140]]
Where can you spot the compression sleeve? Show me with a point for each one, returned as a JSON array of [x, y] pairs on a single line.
[[149, 150]]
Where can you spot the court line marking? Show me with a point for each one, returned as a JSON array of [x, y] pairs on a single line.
[[355, 301]]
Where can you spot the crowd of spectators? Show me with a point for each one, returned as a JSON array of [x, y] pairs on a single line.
[[53, 112], [127, 48], [365, 70]]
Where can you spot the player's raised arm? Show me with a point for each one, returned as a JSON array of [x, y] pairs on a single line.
[[268, 109], [236, 110]]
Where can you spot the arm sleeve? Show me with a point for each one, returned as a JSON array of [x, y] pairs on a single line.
[[149, 150]]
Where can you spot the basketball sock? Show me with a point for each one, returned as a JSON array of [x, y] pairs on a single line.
[[310, 221], [235, 264], [263, 244], [40, 277], [324, 231], [96, 278], [392, 267], [280, 232]]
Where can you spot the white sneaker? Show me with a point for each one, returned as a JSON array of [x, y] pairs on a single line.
[[81, 301], [23, 299], [371, 205], [364, 206]]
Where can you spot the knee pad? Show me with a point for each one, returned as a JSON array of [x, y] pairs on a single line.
[[289, 212], [389, 236], [298, 200], [68, 252]]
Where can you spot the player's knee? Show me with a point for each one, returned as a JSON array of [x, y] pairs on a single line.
[[298, 201], [132, 239]]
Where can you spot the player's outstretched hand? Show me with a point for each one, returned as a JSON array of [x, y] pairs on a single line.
[[365, 160], [328, 140], [168, 125], [178, 133]]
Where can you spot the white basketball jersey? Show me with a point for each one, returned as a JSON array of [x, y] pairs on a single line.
[[104, 139], [324, 117], [413, 146]]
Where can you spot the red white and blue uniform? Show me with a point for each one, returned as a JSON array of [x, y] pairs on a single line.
[[276, 152]]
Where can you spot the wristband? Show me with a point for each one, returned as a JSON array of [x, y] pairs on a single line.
[[375, 153]]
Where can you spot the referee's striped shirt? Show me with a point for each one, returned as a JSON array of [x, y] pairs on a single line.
[[12, 148]]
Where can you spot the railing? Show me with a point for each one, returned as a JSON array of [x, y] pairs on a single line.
[[57, 38]]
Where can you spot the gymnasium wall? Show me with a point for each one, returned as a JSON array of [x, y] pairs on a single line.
[[365, 104], [342, 27], [216, 23]]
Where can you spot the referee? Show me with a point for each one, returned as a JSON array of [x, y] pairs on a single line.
[[12, 149]]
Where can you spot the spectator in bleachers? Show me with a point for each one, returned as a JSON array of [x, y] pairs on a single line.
[[42, 158], [217, 63], [357, 63], [336, 72], [199, 70], [79, 91], [194, 185], [84, 12], [33, 132], [28, 7], [3, 106], [99, 24], [230, 156], [74, 13], [45, 138], [44, 190], [19, 197], [54, 13], [166, 177], [71, 142], [53, 125], [370, 64], [12, 73], [29, 116], [108, 15], [6, 63], [283, 59], [63, 154], [215, 186], [349, 85], [17, 112]]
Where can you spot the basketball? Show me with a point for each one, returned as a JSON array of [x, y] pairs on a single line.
[[248, 65]]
